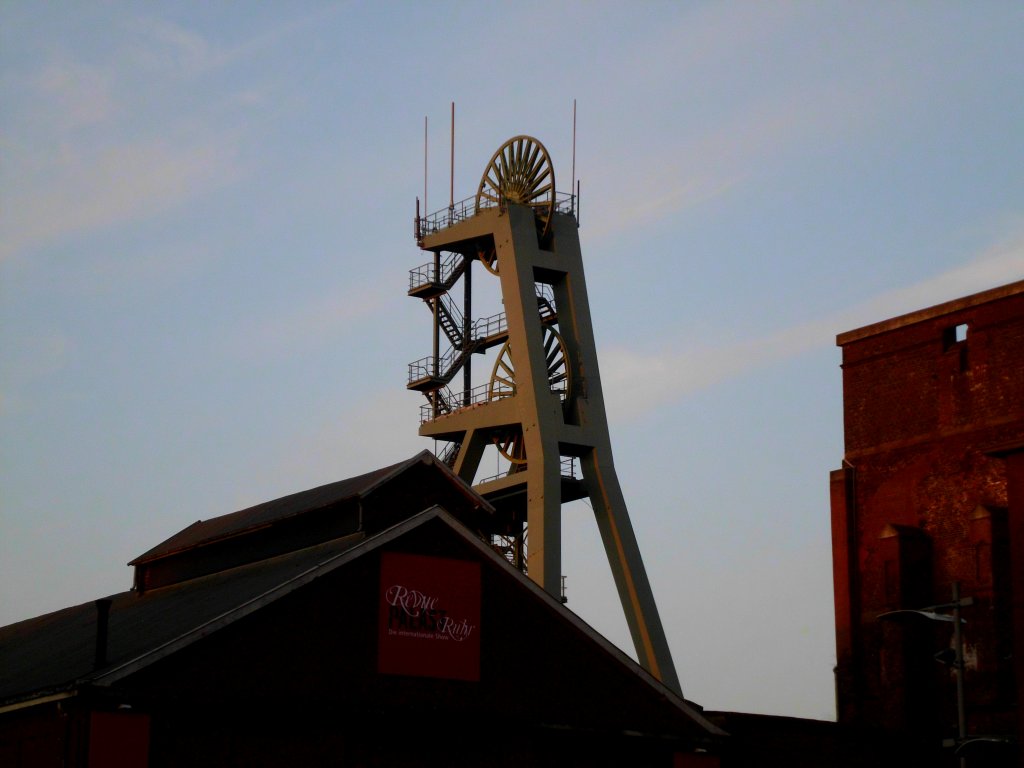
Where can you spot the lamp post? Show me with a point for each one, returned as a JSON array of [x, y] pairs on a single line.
[[958, 644], [932, 614]]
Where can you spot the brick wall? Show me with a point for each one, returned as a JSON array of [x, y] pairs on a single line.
[[915, 382], [927, 399]]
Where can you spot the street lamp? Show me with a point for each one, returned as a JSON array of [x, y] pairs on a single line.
[[932, 613]]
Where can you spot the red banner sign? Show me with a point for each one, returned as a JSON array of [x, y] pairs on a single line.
[[429, 617]]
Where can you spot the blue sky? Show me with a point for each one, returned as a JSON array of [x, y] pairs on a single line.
[[206, 228]]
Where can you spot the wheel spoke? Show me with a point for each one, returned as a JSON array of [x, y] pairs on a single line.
[[557, 365], [537, 163], [533, 160], [541, 192], [502, 174], [536, 173], [511, 164], [551, 347], [512, 447], [519, 154]]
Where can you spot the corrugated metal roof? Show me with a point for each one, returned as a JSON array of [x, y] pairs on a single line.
[[205, 531]]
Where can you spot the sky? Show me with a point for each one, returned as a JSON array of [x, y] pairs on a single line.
[[206, 231]]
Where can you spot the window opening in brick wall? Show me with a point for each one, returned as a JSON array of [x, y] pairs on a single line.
[[954, 335]]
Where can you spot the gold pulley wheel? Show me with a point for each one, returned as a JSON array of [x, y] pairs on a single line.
[[510, 445], [520, 172], [510, 442], [503, 375], [489, 258]]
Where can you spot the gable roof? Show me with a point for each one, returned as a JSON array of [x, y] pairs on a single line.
[[203, 532], [55, 653]]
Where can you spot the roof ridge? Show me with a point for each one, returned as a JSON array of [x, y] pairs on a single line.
[[171, 545]]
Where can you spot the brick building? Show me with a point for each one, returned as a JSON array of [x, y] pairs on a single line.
[[931, 492]]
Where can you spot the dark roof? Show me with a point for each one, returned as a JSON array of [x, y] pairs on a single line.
[[269, 512], [57, 651], [54, 654]]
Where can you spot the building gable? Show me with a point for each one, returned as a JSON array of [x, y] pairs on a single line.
[[365, 504]]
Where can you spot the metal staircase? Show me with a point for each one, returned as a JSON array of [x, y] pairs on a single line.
[[437, 277], [449, 318], [428, 375], [450, 454]]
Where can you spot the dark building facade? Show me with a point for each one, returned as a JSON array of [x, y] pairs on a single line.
[[357, 624], [931, 493]]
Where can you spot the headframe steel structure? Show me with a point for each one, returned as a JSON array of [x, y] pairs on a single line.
[[542, 408]]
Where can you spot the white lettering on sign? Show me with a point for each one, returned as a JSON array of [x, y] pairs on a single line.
[[411, 601], [457, 630], [414, 613]]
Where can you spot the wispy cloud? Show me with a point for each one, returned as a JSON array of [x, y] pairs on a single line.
[[170, 49], [669, 378], [805, 106], [1000, 264], [90, 146], [333, 313], [80, 191], [77, 94], [704, 166]]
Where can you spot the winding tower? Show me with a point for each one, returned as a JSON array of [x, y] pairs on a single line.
[[538, 406]]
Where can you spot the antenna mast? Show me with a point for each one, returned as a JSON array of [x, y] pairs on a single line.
[[425, 208], [451, 185], [572, 189]]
